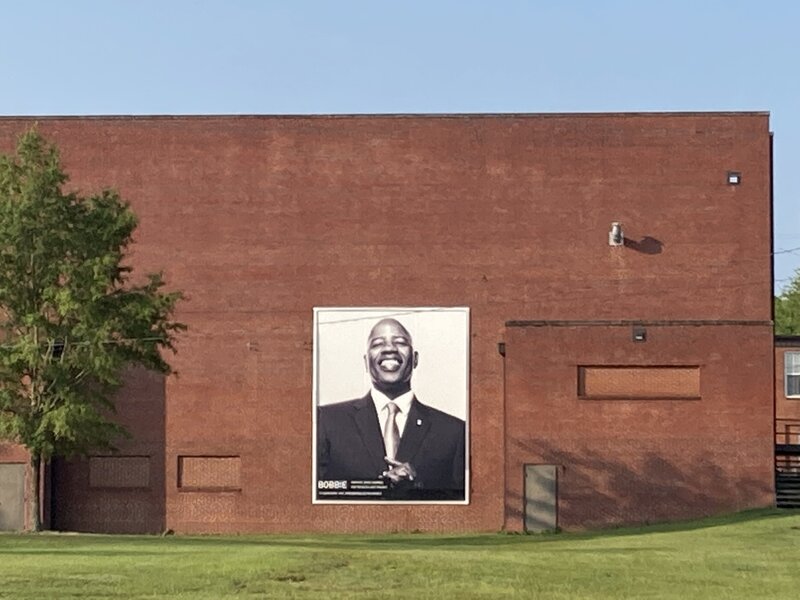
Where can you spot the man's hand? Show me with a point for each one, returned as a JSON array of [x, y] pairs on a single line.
[[399, 471]]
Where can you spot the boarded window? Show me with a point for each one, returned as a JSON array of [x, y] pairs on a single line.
[[209, 472], [119, 471], [639, 382]]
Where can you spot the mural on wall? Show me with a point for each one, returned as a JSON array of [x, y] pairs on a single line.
[[391, 402]]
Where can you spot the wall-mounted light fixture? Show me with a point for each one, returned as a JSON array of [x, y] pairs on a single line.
[[615, 236], [734, 178]]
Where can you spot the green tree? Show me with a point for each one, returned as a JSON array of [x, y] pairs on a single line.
[[787, 308], [71, 317]]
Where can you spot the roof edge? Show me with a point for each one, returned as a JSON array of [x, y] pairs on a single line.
[[422, 115], [787, 341]]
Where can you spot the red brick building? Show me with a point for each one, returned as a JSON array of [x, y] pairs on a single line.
[[608, 383]]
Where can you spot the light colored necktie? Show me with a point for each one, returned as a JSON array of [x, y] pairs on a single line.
[[391, 433]]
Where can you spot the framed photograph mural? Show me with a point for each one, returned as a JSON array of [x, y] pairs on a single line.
[[391, 405]]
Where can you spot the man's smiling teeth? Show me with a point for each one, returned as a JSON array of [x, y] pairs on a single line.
[[389, 364]]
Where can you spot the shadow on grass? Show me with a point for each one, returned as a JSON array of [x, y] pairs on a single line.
[[411, 541], [80, 550], [97, 545]]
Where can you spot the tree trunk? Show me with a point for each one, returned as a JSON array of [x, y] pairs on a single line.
[[34, 492]]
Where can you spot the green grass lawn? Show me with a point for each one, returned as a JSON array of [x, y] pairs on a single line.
[[749, 555]]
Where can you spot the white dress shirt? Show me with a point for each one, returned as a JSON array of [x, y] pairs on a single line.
[[403, 402]]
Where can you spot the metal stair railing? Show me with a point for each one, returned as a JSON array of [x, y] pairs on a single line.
[[787, 463]]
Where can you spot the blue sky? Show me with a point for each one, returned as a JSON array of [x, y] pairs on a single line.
[[236, 56]]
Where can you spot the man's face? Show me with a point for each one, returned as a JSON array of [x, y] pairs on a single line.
[[390, 355]]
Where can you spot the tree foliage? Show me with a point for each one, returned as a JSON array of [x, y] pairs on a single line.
[[787, 308], [71, 316]]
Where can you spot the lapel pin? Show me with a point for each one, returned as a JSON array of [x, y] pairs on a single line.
[[419, 422]]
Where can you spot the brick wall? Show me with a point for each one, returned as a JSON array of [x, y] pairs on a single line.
[[641, 459], [259, 219]]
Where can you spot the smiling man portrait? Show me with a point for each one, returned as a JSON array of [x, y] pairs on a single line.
[[389, 439]]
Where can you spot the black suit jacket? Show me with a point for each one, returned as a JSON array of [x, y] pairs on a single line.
[[350, 447]]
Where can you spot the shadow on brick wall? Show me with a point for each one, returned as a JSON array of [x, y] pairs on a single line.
[[124, 491], [646, 245], [651, 486]]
